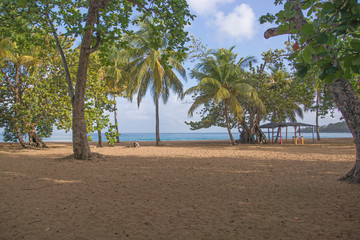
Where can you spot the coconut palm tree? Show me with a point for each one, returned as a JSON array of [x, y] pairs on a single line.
[[153, 68], [117, 78], [221, 80], [282, 84]]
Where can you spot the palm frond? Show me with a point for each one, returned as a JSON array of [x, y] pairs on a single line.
[[143, 87], [200, 100], [235, 107], [221, 95], [210, 81]]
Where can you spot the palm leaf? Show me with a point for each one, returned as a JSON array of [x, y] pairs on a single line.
[[221, 94], [200, 100]]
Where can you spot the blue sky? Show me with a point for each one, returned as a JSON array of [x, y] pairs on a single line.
[[219, 24]]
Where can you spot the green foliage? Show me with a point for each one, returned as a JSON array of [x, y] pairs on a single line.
[[281, 92], [97, 102], [113, 21], [98, 23], [152, 66], [147, 67], [330, 39], [30, 90], [212, 115], [111, 135], [339, 127], [223, 90], [220, 77]]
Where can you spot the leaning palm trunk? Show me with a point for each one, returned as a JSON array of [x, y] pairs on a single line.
[[157, 128], [116, 122], [228, 125]]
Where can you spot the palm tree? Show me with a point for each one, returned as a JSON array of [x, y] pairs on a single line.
[[281, 81], [220, 78], [117, 78], [153, 66]]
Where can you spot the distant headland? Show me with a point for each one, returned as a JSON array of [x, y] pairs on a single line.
[[339, 127]]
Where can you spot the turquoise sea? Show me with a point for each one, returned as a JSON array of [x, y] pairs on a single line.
[[65, 137]]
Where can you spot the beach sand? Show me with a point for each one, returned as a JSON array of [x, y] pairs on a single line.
[[182, 190]]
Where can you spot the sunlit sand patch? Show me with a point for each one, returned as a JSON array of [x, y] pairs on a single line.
[[329, 173], [60, 180], [241, 171], [17, 174]]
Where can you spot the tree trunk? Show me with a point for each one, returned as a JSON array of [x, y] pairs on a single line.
[[252, 128], [277, 134], [21, 140], [317, 116], [348, 103], [228, 125], [262, 137], [116, 122], [80, 142], [38, 141], [245, 133], [157, 128], [99, 139]]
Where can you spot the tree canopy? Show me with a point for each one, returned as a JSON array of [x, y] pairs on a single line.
[[97, 22], [327, 37]]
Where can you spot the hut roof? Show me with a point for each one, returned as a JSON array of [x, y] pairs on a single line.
[[295, 124]]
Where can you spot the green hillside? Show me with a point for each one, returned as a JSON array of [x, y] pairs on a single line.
[[339, 127]]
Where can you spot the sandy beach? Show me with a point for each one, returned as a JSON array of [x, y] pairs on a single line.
[[182, 190]]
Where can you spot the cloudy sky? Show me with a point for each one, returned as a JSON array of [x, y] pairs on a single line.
[[219, 24]]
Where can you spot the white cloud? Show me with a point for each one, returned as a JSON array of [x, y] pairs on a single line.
[[204, 7], [238, 24]]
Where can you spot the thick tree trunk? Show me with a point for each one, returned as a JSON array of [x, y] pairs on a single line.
[[228, 125], [317, 116], [262, 137], [348, 103], [245, 133], [80, 143], [35, 139], [116, 122], [157, 128]]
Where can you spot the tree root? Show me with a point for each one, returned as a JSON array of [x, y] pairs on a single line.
[[93, 156], [351, 177]]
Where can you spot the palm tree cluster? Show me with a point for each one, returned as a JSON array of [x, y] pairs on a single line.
[[222, 81]]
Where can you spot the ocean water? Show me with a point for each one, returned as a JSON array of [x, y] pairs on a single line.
[[65, 137]]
